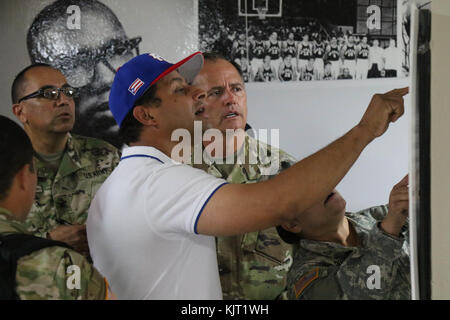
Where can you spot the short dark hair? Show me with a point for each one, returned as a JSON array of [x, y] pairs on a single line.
[[17, 85], [131, 128], [214, 56], [16, 152]]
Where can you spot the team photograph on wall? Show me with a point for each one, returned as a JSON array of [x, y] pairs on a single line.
[[303, 40]]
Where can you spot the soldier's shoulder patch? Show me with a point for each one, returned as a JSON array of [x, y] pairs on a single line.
[[305, 281]]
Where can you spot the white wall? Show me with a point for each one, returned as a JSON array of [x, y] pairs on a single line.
[[312, 115]]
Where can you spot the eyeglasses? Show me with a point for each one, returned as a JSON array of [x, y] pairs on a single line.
[[51, 93], [80, 69]]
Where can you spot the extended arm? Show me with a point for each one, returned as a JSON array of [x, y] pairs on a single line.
[[377, 272], [237, 209]]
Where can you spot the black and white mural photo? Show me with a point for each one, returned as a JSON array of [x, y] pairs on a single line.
[[272, 40], [88, 57], [88, 40], [303, 40]]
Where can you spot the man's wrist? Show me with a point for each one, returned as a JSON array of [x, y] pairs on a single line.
[[391, 227], [364, 133]]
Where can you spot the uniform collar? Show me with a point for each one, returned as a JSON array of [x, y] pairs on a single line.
[[146, 152], [331, 248], [73, 151], [210, 160], [71, 161], [9, 224], [327, 249], [256, 158], [250, 145], [5, 213]]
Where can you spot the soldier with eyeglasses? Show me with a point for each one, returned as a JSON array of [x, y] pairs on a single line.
[[70, 168]]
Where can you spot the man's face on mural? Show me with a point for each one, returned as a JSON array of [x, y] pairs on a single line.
[[94, 77], [89, 58]]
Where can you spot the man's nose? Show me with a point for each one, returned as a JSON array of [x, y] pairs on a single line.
[[198, 94], [103, 75], [63, 100], [106, 68], [229, 96]]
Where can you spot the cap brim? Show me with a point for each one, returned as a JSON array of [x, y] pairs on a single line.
[[188, 67]]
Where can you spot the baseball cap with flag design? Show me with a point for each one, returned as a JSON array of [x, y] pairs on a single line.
[[141, 72]]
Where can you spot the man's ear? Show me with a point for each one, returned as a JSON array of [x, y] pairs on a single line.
[[144, 116], [292, 226], [21, 178], [25, 186], [18, 111]]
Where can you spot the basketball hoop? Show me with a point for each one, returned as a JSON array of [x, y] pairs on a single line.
[[261, 12], [262, 9]]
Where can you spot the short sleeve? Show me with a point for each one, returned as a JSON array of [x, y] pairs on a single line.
[[177, 195]]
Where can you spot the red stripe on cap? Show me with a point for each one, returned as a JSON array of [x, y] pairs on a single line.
[[175, 66], [139, 85]]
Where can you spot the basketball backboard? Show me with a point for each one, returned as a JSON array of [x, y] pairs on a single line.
[[260, 8]]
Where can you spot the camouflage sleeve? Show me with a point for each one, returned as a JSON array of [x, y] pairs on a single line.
[[368, 273], [286, 160], [371, 271], [377, 212], [58, 274], [116, 158], [380, 212], [405, 230]]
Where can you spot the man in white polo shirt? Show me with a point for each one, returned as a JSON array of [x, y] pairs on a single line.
[[149, 225]]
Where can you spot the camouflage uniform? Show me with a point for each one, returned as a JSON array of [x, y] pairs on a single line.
[[253, 265], [65, 198], [42, 274], [327, 270]]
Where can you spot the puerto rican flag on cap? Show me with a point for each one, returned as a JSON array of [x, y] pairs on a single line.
[[140, 73], [135, 86]]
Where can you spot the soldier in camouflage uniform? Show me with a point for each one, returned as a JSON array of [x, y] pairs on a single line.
[[41, 274], [252, 265], [64, 198], [70, 168], [369, 259]]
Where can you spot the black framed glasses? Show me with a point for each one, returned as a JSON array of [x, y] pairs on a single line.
[[80, 69], [51, 93], [117, 48]]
